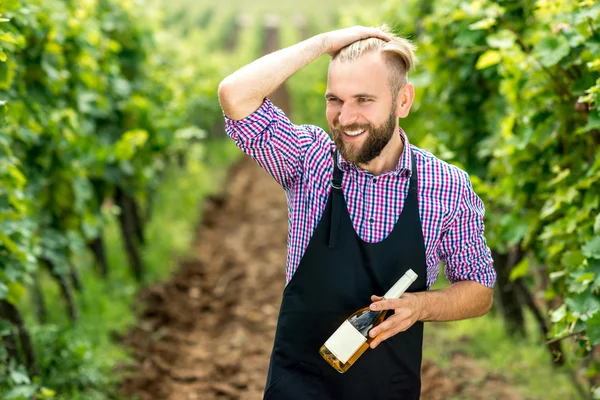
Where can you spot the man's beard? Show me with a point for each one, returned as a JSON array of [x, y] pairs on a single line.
[[377, 139]]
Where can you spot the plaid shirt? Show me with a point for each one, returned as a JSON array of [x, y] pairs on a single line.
[[299, 158]]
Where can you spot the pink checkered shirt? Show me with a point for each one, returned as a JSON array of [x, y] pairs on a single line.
[[299, 158]]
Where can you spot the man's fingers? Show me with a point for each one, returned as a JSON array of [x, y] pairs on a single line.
[[396, 321], [380, 34], [374, 33], [384, 336], [381, 328], [386, 304], [341, 38], [388, 328]]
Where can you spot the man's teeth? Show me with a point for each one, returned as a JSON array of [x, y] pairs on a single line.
[[353, 133]]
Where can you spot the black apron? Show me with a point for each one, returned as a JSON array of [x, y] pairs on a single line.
[[337, 276]]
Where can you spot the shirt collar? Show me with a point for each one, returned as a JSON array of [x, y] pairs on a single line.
[[403, 168]]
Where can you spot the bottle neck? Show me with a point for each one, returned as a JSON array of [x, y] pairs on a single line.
[[401, 285]]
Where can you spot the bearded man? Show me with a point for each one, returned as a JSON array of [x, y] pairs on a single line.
[[364, 207]]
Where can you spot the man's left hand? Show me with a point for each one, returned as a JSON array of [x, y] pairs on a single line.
[[407, 310]]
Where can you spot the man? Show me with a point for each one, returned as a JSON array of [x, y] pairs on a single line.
[[364, 207]]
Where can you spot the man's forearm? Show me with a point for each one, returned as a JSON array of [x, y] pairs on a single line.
[[464, 299], [460, 300], [242, 92]]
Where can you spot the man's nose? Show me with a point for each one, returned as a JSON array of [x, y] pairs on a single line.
[[347, 116]]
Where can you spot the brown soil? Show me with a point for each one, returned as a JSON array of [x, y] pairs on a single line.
[[208, 332]]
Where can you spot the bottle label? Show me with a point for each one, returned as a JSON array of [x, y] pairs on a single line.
[[345, 341]]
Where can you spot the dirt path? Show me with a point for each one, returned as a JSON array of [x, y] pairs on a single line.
[[208, 332]]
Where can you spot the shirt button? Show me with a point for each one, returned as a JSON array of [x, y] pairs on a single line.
[[374, 180], [371, 220]]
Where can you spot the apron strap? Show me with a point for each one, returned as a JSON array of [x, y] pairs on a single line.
[[414, 180], [337, 201]]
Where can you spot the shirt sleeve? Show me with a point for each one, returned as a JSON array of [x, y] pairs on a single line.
[[463, 247], [277, 145]]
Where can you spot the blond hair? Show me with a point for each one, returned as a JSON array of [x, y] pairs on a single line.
[[398, 55]]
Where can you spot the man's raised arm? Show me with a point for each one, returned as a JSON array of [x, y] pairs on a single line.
[[242, 92], [262, 130]]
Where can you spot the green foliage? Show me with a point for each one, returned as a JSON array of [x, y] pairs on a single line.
[[533, 146], [71, 90], [94, 96], [522, 362], [307, 86], [511, 88]]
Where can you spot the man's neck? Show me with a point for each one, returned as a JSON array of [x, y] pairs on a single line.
[[388, 159]]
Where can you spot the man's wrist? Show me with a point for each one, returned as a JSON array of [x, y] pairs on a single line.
[[322, 43], [422, 309]]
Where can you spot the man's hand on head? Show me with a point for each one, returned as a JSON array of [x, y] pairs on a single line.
[[337, 40]]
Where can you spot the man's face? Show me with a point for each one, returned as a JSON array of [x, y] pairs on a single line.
[[360, 109]]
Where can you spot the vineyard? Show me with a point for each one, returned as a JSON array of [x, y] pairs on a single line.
[[142, 256]]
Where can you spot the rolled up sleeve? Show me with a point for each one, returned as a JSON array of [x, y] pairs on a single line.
[[463, 246], [268, 136]]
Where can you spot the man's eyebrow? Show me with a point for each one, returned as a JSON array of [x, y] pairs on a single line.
[[329, 95], [365, 95]]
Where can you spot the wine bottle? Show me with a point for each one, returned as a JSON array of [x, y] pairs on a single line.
[[351, 339]]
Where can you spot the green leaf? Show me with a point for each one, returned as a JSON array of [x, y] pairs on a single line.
[[520, 269], [594, 335], [558, 314], [130, 141], [489, 58], [19, 377], [585, 13], [579, 326], [572, 259], [3, 56], [593, 121], [562, 175], [595, 269], [556, 275], [7, 38], [46, 393], [597, 224], [592, 248], [11, 246], [583, 305], [21, 392], [485, 23], [5, 327], [579, 281], [501, 40], [551, 50], [593, 330], [3, 290], [15, 292]]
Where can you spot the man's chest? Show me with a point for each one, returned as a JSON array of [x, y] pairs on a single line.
[[375, 204]]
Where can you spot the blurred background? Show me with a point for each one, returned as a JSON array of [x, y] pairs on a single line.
[[143, 256]]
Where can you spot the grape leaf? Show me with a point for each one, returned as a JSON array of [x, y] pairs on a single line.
[[551, 50], [592, 248]]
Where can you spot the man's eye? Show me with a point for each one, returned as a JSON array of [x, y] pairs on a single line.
[[333, 99], [363, 100]]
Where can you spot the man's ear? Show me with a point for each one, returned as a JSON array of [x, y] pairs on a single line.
[[404, 100]]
